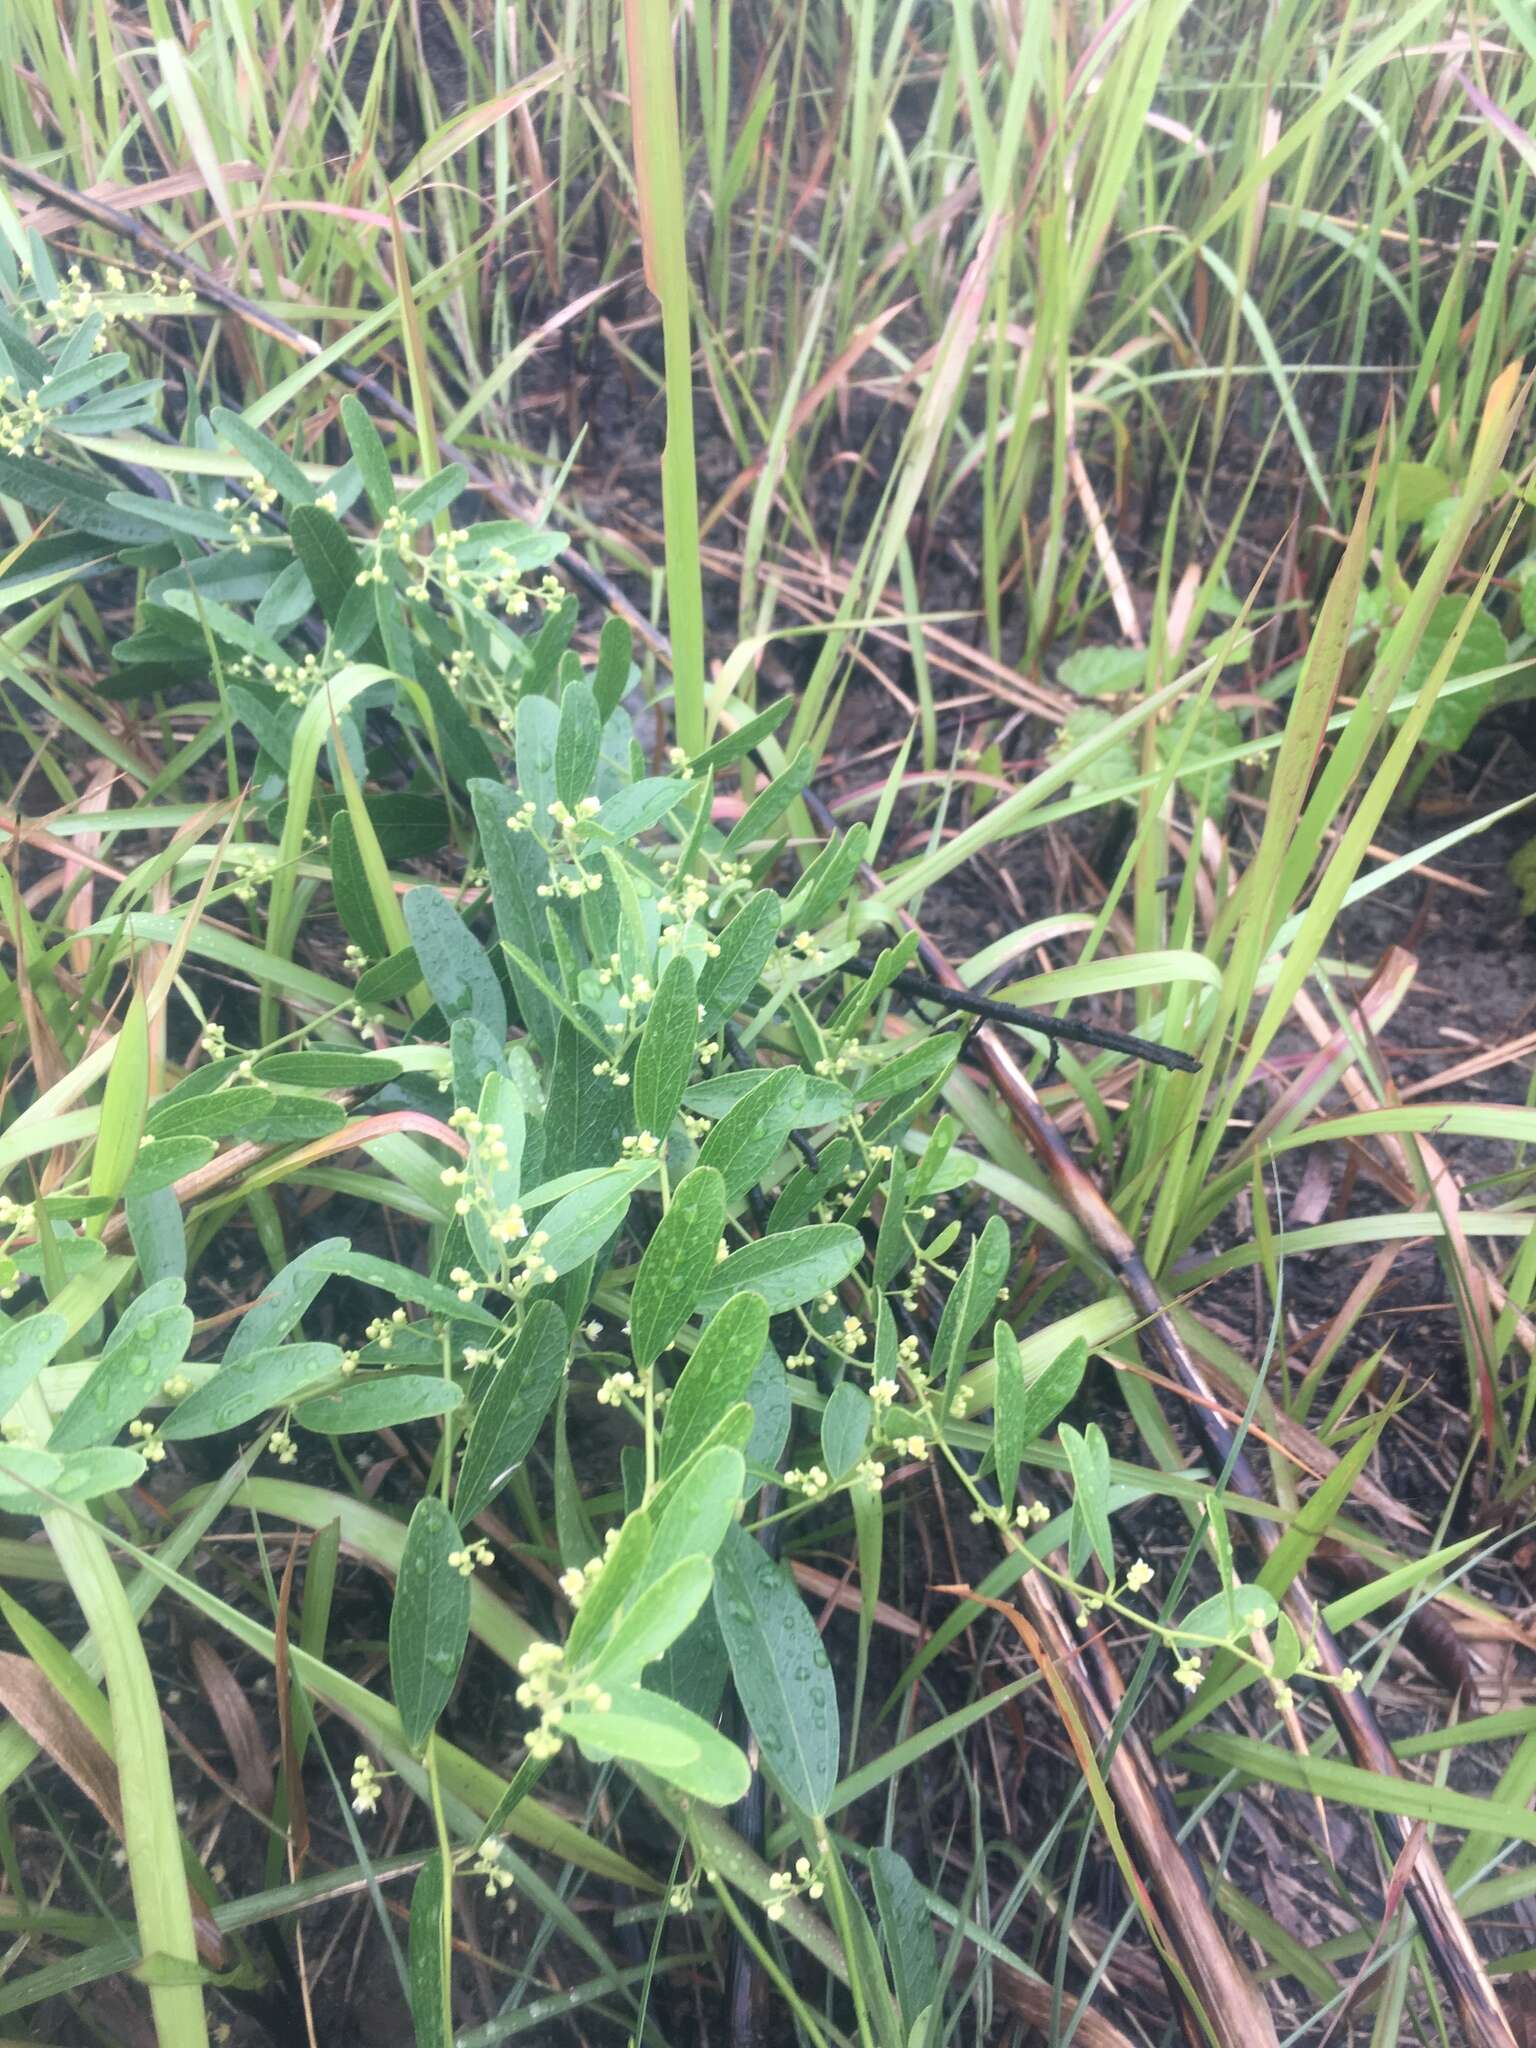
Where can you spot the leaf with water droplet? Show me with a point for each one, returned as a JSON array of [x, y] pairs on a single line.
[[782, 1672], [150, 1341], [244, 1388], [25, 1348], [429, 1624]]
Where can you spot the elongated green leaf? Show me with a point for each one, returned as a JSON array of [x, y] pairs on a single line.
[[148, 1344], [788, 1268], [729, 978], [163, 1160], [715, 1378], [578, 741], [379, 1400], [405, 1285], [581, 1223], [260, 1115], [1029, 1402], [453, 963], [652, 1622], [320, 1067], [750, 1136], [906, 1928], [782, 1673], [431, 2008], [277, 1310], [25, 1348], [251, 1385], [331, 562], [513, 1408], [665, 1058], [845, 1425], [680, 1257], [770, 804], [124, 1102], [429, 1623], [669, 1740], [1088, 1458]]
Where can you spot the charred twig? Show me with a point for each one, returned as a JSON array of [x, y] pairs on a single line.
[[1059, 1030], [158, 250]]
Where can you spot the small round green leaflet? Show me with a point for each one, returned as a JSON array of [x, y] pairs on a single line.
[[781, 1670], [429, 1623]]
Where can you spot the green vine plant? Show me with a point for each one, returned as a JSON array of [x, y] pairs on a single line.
[[682, 1169]]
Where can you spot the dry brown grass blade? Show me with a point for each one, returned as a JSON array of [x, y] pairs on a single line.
[[1226, 2006], [1444, 1930], [59, 1732], [237, 1723]]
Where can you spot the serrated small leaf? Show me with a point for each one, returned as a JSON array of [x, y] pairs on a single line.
[[679, 1259], [513, 1408], [429, 1622], [665, 1058], [380, 1400], [715, 1379], [783, 1676]]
